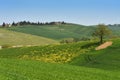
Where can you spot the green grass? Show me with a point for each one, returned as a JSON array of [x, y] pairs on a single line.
[[115, 30], [106, 59], [102, 65], [56, 32], [16, 38], [51, 53], [11, 69]]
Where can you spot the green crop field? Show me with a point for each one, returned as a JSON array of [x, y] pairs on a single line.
[[51, 53], [76, 61], [53, 61], [56, 32], [107, 59], [115, 30], [16, 38], [11, 69]]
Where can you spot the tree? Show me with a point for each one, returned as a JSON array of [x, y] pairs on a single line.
[[13, 24], [101, 31], [3, 25]]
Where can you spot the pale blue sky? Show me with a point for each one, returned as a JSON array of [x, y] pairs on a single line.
[[86, 12]]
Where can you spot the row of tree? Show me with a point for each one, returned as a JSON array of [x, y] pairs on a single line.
[[114, 25], [31, 23]]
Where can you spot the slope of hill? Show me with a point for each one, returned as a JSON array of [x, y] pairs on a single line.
[[115, 30], [88, 64], [61, 31], [51, 53], [56, 32], [16, 38], [106, 59], [12, 69]]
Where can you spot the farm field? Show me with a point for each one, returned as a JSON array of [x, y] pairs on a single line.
[[26, 63], [12, 69], [12, 38], [51, 53], [62, 31], [56, 32]]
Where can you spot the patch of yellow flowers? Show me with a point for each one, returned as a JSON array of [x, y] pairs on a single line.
[[52, 58]]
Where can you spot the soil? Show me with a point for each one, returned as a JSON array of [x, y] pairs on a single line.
[[104, 45]]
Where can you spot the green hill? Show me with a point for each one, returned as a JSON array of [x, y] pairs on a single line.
[[106, 59], [16, 38], [56, 32], [61, 31], [77, 61], [51, 53], [115, 30], [11, 69]]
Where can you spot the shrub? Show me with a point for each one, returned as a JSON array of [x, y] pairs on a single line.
[[6, 46]]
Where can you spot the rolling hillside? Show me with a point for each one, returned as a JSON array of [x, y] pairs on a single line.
[[106, 59], [51, 53], [115, 29], [56, 32], [16, 38], [61, 31], [74, 61], [11, 69], [86, 63]]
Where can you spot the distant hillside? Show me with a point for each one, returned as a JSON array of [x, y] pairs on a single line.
[[16, 38], [61, 31], [115, 28], [57, 32]]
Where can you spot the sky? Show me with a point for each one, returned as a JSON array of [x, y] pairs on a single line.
[[86, 12]]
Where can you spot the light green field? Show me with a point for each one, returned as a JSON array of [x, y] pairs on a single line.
[[26, 64], [16, 38], [52, 53], [11, 69], [75, 61], [56, 32], [106, 59]]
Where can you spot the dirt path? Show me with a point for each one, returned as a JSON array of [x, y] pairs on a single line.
[[104, 45]]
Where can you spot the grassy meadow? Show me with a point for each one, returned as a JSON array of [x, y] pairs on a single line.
[[51, 53], [62, 31], [49, 60], [12, 69], [61, 62], [12, 38], [56, 32]]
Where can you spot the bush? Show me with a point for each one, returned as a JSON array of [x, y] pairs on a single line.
[[6, 46], [72, 40], [66, 41]]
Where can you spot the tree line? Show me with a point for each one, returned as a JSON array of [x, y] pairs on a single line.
[[21, 23]]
